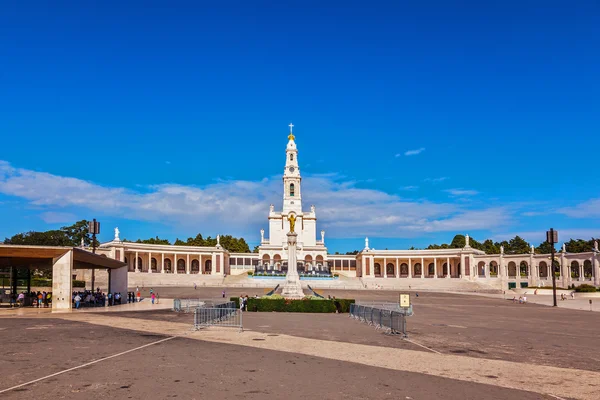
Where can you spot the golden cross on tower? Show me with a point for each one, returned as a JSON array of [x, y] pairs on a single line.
[[291, 136]]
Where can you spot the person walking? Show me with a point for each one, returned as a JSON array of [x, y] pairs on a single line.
[[223, 294], [139, 296], [153, 297], [77, 301]]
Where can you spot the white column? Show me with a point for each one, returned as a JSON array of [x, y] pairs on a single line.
[[213, 270], [174, 266], [581, 277], [410, 272], [384, 267], [200, 264], [149, 262], [422, 268], [162, 265], [448, 269], [187, 265], [362, 266], [397, 268], [435, 273], [137, 267], [62, 281]]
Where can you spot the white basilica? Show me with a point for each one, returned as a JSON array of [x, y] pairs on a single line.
[[273, 248], [444, 269]]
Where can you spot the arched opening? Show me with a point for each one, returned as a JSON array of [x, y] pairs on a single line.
[[320, 264], [181, 266], [404, 269], [292, 188], [140, 265], [543, 267], [556, 268], [588, 271], [377, 269], [481, 269], [168, 266], [308, 263], [512, 269], [277, 262], [524, 269], [445, 269], [195, 266], [130, 267], [154, 265], [390, 269], [266, 261], [417, 268], [207, 267], [431, 270], [291, 156], [494, 269], [575, 270]]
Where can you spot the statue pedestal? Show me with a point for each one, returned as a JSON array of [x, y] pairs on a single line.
[[292, 288]]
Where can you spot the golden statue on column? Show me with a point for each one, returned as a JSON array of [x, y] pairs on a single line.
[[292, 219]]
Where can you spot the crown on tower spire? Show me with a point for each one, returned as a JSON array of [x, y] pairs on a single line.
[[291, 135]]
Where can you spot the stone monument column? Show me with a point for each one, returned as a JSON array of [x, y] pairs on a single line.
[[292, 288]]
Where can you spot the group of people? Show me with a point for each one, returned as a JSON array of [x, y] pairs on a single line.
[[244, 303], [564, 296], [34, 299], [88, 298]]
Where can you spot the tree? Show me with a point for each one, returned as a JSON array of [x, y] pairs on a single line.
[[490, 247], [518, 245], [255, 250], [352, 253], [543, 248], [579, 245], [155, 240], [66, 236]]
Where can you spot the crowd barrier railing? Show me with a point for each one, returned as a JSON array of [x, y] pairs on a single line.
[[391, 321]]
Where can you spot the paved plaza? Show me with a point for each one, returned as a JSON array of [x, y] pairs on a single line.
[[459, 347]]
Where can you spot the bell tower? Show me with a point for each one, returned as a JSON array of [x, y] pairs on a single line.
[[292, 193]]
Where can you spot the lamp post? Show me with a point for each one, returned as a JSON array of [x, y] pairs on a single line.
[[552, 238], [94, 229]]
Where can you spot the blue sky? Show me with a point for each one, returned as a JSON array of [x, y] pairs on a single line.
[[414, 120]]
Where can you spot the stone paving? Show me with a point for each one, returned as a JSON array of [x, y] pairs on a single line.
[[131, 354]]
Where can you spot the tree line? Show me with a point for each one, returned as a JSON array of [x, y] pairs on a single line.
[[73, 234], [516, 245]]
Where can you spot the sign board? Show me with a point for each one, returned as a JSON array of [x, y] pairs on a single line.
[[404, 300], [552, 236]]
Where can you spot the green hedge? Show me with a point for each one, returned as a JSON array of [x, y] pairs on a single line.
[[585, 289], [77, 283], [304, 305]]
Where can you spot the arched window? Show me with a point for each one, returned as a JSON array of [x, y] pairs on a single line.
[[291, 156], [291, 189]]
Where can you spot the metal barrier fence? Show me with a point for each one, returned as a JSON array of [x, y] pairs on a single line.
[[189, 305], [390, 321], [218, 316]]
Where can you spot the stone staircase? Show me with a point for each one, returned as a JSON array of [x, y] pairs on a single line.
[[342, 283], [181, 280]]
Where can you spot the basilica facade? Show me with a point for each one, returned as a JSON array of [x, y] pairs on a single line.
[[443, 268]]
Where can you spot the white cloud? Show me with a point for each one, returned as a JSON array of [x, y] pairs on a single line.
[[53, 217], [168, 162], [436, 180], [462, 192], [587, 209], [414, 152], [409, 188], [398, 155], [242, 206]]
